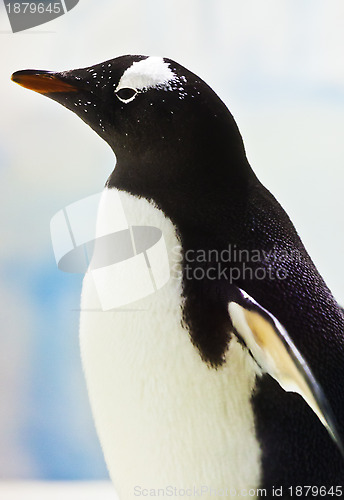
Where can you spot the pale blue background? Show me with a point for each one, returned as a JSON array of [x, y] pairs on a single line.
[[278, 65]]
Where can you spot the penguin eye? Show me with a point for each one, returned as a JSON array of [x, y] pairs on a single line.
[[126, 94]]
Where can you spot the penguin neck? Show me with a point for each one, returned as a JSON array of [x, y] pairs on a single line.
[[192, 191]]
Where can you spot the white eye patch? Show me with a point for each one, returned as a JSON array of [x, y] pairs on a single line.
[[148, 73]]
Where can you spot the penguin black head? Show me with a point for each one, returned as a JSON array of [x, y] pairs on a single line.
[[166, 126]]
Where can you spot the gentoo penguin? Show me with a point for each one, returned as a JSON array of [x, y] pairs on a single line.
[[228, 380]]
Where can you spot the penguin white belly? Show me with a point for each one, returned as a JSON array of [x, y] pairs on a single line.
[[164, 418]]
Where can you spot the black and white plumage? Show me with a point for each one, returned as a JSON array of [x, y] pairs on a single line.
[[198, 386]]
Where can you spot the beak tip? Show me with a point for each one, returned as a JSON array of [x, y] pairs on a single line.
[[26, 77], [15, 77]]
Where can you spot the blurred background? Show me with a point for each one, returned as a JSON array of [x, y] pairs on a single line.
[[278, 66]]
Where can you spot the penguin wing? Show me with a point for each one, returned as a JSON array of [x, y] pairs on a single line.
[[276, 354]]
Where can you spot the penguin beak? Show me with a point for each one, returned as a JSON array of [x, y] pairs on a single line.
[[44, 82]]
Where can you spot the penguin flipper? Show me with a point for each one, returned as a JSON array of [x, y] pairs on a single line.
[[276, 354]]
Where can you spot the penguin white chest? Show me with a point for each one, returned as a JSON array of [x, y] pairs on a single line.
[[164, 418]]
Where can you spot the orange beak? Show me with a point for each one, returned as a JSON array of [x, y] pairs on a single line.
[[44, 82]]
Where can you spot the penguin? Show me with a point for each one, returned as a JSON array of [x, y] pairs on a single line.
[[228, 379]]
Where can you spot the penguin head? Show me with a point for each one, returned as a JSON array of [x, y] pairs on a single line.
[[166, 126]]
